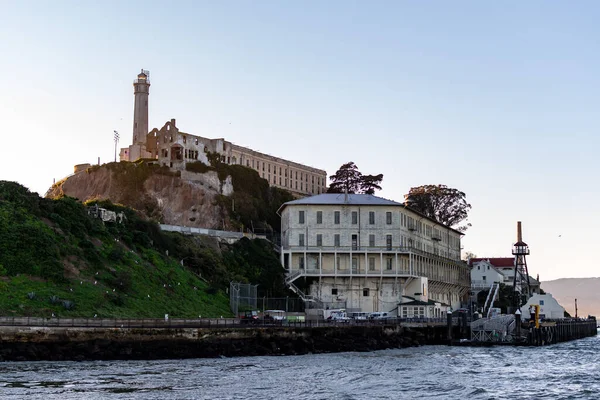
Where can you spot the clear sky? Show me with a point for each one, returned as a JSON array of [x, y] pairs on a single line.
[[497, 99]]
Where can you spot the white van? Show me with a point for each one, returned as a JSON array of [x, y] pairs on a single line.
[[379, 315], [359, 316]]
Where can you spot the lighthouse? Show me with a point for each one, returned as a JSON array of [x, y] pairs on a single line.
[[141, 90]]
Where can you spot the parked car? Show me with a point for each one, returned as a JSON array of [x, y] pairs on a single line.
[[338, 316], [378, 315], [249, 317]]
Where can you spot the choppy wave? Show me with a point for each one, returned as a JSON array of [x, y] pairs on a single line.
[[565, 371]]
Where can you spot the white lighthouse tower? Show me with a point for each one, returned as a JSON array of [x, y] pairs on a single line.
[[141, 90]]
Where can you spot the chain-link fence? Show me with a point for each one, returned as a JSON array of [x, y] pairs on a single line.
[[242, 296]]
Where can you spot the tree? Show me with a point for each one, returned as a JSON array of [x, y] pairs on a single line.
[[349, 179], [370, 183], [446, 205], [467, 255], [346, 179]]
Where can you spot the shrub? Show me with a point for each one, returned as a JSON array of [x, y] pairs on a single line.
[[68, 305], [54, 299], [31, 295]]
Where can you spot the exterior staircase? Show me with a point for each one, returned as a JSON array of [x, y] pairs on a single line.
[[310, 301], [489, 301]]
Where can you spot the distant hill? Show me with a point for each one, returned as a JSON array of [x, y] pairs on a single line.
[[585, 290]]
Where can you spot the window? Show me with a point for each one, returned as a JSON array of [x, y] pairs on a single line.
[[483, 277], [371, 263], [388, 242], [371, 240], [388, 217], [301, 239], [300, 217], [366, 292], [301, 262], [334, 291], [338, 262], [389, 263], [354, 265], [319, 240], [354, 217], [319, 216], [354, 242], [478, 267], [541, 302], [372, 217], [336, 240], [336, 217]]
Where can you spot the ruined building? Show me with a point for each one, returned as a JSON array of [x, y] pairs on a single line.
[[174, 148]]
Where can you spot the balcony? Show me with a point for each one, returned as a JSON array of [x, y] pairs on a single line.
[[348, 249], [347, 272]]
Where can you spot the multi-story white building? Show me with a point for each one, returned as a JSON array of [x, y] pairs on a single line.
[[365, 253], [174, 148]]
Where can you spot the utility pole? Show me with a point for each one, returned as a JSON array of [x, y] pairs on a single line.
[[575, 308], [116, 141]]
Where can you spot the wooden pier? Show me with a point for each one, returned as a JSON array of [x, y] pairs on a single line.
[[508, 330]]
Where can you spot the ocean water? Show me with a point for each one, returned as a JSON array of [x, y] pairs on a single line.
[[564, 371]]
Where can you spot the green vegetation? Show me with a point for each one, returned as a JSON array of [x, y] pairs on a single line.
[[54, 258]]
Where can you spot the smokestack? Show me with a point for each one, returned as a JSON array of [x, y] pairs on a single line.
[[519, 236]]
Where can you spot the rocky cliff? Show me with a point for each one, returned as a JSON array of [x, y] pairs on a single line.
[[220, 196], [170, 197]]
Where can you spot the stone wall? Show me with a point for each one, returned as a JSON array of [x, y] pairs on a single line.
[[21, 344]]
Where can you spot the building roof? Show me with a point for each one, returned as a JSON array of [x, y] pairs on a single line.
[[352, 199], [501, 262], [340, 198]]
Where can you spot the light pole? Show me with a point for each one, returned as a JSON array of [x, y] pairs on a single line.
[[116, 141]]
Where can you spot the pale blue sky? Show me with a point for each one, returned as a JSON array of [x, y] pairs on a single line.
[[498, 100]]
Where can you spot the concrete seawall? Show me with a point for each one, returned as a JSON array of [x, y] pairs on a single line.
[[58, 343]]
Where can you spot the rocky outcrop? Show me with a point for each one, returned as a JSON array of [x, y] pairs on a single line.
[[176, 198]]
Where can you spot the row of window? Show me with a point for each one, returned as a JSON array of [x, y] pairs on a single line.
[[336, 217], [389, 244], [406, 221], [337, 237], [389, 263], [274, 181], [282, 171]]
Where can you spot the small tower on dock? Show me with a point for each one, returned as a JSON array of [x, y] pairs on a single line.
[[521, 285]]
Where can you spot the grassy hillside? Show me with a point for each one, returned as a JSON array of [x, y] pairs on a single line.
[[54, 258]]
